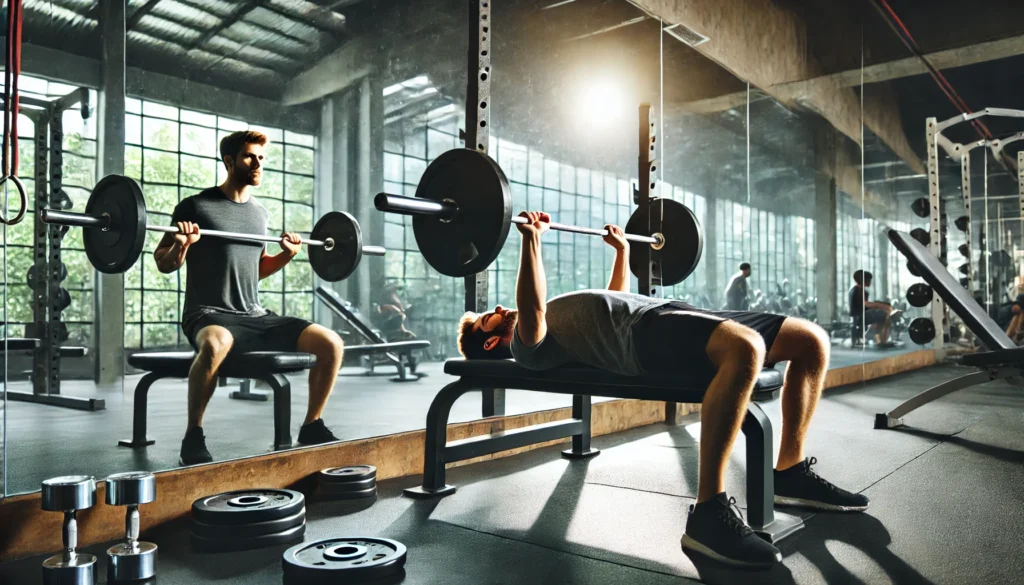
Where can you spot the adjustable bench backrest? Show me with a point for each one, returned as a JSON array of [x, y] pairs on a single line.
[[956, 296], [334, 302]]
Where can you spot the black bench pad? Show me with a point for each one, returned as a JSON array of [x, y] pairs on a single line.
[[374, 348], [999, 357], [568, 379], [175, 364]]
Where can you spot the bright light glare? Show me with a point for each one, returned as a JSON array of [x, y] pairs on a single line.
[[601, 104]]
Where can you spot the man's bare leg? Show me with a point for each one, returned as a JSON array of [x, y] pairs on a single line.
[[327, 346], [214, 344], [738, 354], [806, 347]]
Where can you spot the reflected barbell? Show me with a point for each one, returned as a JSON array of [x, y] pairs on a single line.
[[463, 209], [116, 212]]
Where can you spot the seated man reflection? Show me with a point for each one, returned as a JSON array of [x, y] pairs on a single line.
[[876, 316], [222, 313]]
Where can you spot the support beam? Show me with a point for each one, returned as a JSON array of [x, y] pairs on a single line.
[[109, 288], [336, 72], [761, 42]]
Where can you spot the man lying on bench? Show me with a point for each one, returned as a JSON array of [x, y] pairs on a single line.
[[631, 334]]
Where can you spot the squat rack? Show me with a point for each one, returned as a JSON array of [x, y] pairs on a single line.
[[47, 267], [962, 153]]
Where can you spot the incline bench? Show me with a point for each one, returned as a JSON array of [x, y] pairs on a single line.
[[1003, 361], [268, 366], [582, 383], [399, 353]]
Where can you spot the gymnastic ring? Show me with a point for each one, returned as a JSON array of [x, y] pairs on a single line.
[[24, 200]]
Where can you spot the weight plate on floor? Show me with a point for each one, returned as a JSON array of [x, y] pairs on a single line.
[[247, 506], [342, 560], [340, 261], [350, 474], [332, 492], [115, 250], [471, 241], [213, 545], [684, 239], [348, 486], [243, 531]]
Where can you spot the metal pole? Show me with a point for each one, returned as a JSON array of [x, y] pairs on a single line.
[[938, 306]]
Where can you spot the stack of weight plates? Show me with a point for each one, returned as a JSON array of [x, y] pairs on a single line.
[[247, 519], [348, 483], [334, 561]]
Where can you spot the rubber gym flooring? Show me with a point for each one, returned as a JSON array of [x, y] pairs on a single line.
[[362, 406], [946, 506]]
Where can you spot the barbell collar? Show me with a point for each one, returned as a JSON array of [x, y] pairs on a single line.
[[414, 206], [73, 219]]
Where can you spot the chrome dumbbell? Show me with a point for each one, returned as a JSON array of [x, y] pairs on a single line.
[[131, 560], [69, 494]]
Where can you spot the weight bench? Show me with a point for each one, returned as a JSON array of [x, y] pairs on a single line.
[[583, 383], [268, 366], [1003, 360], [398, 353]]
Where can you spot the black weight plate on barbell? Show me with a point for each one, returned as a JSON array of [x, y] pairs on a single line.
[[115, 250], [348, 474], [342, 560], [961, 223], [920, 207], [341, 261], [214, 545], [63, 299], [964, 250], [922, 330], [243, 531], [471, 241], [684, 239], [247, 506], [921, 235], [919, 294]]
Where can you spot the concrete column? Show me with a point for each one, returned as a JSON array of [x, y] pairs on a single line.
[[881, 283], [109, 296], [825, 246], [369, 156], [713, 286]]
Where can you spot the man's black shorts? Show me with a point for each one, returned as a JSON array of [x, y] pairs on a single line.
[[269, 332], [675, 335]]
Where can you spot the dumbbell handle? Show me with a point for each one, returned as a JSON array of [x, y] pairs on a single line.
[[131, 528], [69, 533]]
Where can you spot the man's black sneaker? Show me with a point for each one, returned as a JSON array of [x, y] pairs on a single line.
[[799, 486], [715, 530], [193, 448], [316, 433]]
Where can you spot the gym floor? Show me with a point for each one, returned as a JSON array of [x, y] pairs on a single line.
[[946, 506], [38, 436]]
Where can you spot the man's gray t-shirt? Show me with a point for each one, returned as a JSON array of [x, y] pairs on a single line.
[[223, 274], [591, 327], [736, 293]]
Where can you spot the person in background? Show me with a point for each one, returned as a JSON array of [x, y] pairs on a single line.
[[736, 293], [876, 315]]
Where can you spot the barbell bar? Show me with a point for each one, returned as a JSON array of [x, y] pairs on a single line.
[[463, 210], [448, 210], [82, 220], [115, 216]]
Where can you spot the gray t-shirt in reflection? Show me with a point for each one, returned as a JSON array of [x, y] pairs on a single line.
[[223, 274], [590, 327]]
